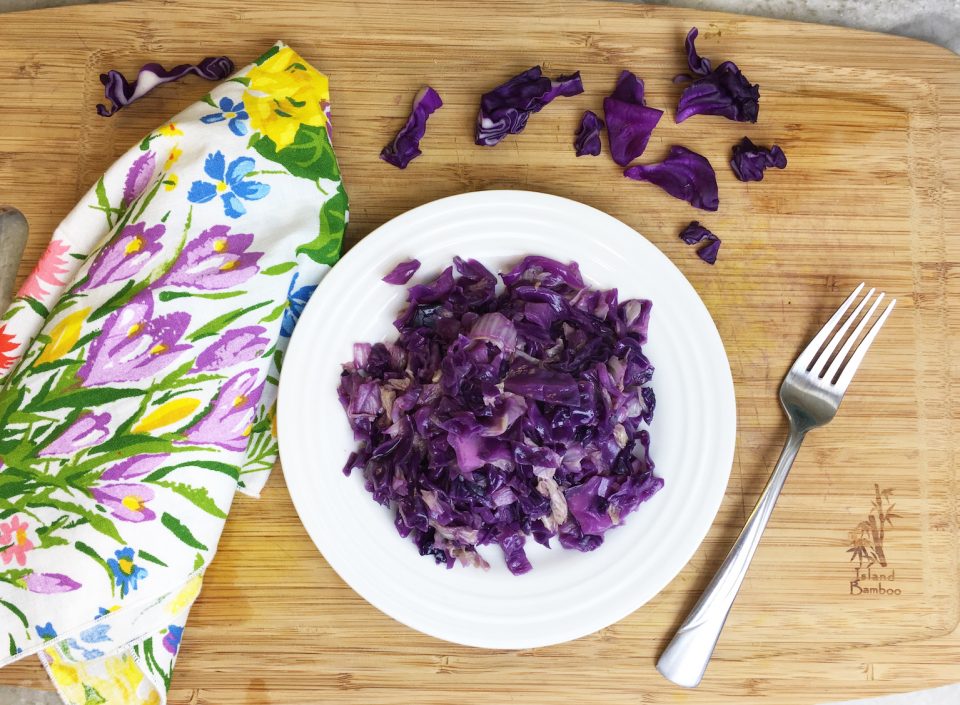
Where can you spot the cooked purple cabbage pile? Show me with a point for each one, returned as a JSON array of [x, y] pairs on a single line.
[[497, 417]]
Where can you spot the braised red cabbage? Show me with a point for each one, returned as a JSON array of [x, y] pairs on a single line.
[[121, 92], [721, 91], [695, 233], [506, 109], [749, 160], [498, 417], [406, 145], [629, 121], [684, 174], [402, 272], [587, 139]]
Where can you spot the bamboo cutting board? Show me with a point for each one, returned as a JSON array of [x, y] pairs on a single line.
[[834, 606]]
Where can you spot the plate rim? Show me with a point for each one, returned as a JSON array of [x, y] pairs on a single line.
[[501, 197]]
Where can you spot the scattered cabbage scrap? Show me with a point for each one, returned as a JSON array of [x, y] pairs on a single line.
[[587, 139], [721, 91], [406, 145], [683, 174], [696, 233], [629, 121], [749, 160], [497, 417], [120, 92], [506, 109], [402, 272]]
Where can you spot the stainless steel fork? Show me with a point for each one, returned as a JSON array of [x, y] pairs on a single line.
[[811, 394]]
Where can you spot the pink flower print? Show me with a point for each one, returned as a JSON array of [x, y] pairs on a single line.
[[13, 535], [88, 430], [47, 583], [230, 421], [138, 177], [134, 345], [135, 466], [127, 502], [216, 259], [50, 272], [126, 256]]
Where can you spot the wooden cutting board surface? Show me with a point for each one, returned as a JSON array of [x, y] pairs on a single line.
[[871, 126]]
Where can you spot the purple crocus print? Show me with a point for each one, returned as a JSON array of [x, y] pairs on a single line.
[[230, 421], [127, 255], [86, 431], [234, 347], [48, 583], [217, 259], [138, 177], [127, 502], [133, 345], [132, 467], [171, 640]]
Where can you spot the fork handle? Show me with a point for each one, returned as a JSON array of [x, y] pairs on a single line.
[[685, 659]]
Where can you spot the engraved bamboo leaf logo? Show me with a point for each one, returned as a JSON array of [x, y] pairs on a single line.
[[866, 540]]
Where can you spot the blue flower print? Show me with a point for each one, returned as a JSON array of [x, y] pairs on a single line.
[[296, 300], [233, 113], [125, 572], [46, 632], [96, 634], [86, 653], [229, 182]]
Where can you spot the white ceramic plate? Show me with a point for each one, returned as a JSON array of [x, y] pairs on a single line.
[[567, 594]]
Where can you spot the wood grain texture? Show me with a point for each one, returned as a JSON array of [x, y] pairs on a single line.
[[871, 126]]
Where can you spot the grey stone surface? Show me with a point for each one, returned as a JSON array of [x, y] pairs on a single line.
[[936, 21]]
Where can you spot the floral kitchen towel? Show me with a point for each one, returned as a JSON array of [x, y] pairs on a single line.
[[141, 361]]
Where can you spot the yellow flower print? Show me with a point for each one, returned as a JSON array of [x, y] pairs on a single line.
[[284, 93], [63, 336], [172, 158], [186, 596], [170, 130], [166, 414], [171, 182]]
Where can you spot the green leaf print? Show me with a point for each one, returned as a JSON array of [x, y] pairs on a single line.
[[279, 268], [16, 610], [325, 248], [89, 552], [96, 521], [151, 558], [309, 156], [275, 313], [266, 55], [226, 469], [180, 530], [197, 495], [92, 696], [221, 322], [198, 562], [151, 660], [16, 577], [83, 399], [171, 295], [13, 645]]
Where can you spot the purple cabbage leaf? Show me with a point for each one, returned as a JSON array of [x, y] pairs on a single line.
[[506, 109], [694, 234], [684, 174], [121, 92], [749, 160], [629, 121], [587, 139], [406, 145], [721, 91]]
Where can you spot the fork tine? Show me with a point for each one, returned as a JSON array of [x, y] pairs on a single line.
[[842, 355], [806, 357], [821, 362], [844, 381]]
